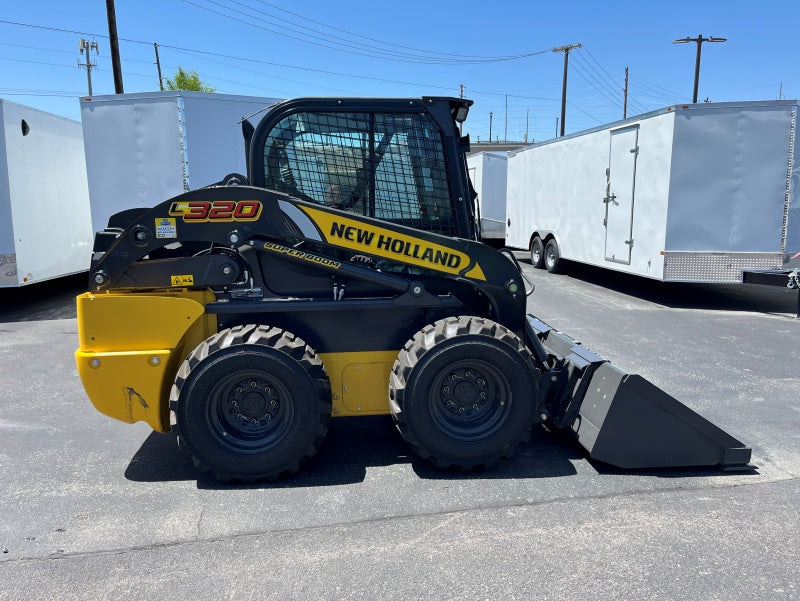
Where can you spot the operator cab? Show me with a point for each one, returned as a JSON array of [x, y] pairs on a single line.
[[395, 160]]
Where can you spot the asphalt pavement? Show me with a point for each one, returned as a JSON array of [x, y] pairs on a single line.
[[94, 509]]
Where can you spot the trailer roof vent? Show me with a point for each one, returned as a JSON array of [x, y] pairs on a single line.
[[25, 128]]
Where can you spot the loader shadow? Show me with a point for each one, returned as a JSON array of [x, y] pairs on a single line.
[[680, 295], [53, 299], [351, 447], [604, 469]]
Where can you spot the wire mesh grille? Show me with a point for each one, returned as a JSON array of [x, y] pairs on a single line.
[[385, 165]]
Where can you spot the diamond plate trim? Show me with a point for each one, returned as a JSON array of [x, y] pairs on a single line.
[[716, 266]]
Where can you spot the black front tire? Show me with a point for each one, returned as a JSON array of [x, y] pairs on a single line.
[[537, 252], [462, 392], [251, 403]]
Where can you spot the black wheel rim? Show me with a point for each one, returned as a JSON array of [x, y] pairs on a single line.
[[470, 400], [249, 411]]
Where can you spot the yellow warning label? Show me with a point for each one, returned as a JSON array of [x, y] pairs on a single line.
[[182, 280]]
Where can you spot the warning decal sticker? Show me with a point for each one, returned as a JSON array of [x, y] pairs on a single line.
[[165, 228], [182, 280]]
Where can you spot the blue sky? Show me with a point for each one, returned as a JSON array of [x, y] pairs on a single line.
[[278, 48]]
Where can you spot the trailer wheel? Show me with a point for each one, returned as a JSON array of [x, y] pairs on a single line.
[[537, 252], [462, 392], [552, 257], [251, 403]]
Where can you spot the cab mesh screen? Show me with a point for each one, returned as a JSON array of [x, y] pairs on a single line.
[[385, 165]]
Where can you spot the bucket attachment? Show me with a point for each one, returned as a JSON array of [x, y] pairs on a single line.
[[623, 419]]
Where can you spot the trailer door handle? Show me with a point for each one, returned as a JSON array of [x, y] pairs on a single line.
[[610, 198]]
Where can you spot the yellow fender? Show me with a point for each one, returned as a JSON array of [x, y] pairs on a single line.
[[131, 346]]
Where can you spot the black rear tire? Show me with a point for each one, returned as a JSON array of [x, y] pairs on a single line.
[[462, 392], [537, 252], [552, 257], [251, 403]]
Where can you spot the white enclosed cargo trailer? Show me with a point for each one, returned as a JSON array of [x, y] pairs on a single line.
[[45, 224], [488, 172], [142, 149], [692, 193]]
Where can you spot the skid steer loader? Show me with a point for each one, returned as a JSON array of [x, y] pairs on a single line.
[[342, 276]]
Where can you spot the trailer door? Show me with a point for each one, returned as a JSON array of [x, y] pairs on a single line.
[[621, 185]]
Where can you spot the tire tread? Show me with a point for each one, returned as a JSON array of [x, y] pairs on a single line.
[[277, 339], [416, 348]]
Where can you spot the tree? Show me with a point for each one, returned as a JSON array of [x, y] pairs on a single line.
[[187, 80]]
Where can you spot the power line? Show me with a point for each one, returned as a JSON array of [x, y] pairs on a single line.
[[206, 53], [262, 73], [215, 57], [594, 81], [355, 35], [24, 60], [606, 85], [367, 37], [385, 55], [34, 92], [606, 81], [58, 51], [655, 87], [610, 78]]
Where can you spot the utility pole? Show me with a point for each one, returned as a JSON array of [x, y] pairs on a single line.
[[699, 41], [461, 95], [556, 127], [490, 127], [527, 120], [114, 40], [625, 104], [85, 46], [565, 50], [161, 80], [505, 132]]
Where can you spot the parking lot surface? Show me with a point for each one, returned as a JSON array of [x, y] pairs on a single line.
[[92, 508]]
